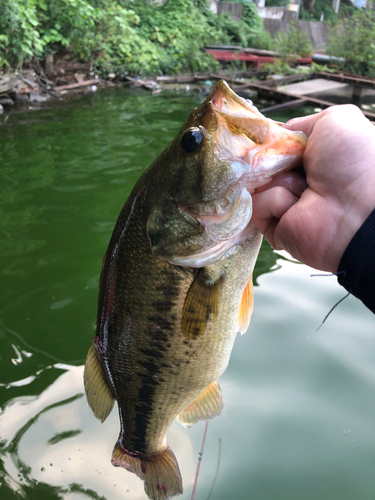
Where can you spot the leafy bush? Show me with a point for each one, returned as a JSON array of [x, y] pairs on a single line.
[[294, 42], [277, 3], [20, 38], [354, 39], [315, 13], [346, 9], [124, 37], [258, 37]]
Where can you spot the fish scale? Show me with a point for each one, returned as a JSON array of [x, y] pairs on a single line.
[[176, 282]]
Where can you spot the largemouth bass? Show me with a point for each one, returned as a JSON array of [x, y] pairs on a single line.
[[176, 281]]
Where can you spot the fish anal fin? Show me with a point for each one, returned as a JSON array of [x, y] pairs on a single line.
[[160, 472], [246, 307], [201, 305], [99, 396], [206, 407]]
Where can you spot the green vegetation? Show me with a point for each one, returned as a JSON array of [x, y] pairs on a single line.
[[277, 3], [354, 39], [312, 10], [293, 42], [123, 37]]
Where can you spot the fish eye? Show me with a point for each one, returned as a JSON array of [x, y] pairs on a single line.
[[192, 140]]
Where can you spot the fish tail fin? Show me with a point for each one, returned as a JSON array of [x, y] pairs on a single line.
[[160, 472]]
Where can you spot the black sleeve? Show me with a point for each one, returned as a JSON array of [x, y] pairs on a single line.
[[356, 271]]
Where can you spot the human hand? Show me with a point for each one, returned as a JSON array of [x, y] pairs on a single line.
[[314, 220]]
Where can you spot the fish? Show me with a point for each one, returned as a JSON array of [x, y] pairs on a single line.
[[176, 281]]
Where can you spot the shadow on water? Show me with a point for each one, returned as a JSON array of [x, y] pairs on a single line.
[[299, 405]]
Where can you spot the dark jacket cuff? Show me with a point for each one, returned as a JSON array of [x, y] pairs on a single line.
[[356, 271]]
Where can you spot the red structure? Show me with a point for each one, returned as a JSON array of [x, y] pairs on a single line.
[[229, 55]]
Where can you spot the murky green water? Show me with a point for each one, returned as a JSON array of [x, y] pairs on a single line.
[[299, 419]]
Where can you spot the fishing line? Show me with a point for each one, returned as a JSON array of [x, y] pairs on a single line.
[[199, 462], [332, 308], [330, 274], [337, 303], [216, 473]]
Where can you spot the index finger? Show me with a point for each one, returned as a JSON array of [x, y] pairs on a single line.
[[304, 123]]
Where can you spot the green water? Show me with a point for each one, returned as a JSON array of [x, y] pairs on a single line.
[[299, 418]]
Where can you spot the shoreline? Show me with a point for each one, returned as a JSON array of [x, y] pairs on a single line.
[[29, 88]]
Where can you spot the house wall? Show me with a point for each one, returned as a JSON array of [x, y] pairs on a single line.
[[277, 19], [316, 31]]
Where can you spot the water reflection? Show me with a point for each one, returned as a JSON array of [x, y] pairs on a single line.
[[52, 442]]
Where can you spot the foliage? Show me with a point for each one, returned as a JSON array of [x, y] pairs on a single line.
[[277, 3], [281, 67], [315, 13], [258, 38], [124, 37], [354, 39], [19, 33], [294, 41], [346, 9]]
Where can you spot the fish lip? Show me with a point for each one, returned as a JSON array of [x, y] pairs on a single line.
[[258, 147], [222, 90]]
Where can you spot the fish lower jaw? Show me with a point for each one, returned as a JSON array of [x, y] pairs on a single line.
[[206, 257]]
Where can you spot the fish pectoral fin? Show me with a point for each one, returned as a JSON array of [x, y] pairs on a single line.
[[99, 396], [201, 305], [160, 472], [246, 307], [206, 407]]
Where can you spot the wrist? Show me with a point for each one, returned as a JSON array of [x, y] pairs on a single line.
[[351, 222]]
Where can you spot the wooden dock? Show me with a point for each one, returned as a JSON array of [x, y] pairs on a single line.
[[288, 99], [270, 89]]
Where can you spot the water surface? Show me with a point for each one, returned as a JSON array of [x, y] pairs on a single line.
[[299, 418]]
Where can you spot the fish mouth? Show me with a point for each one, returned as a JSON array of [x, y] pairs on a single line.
[[256, 147], [247, 150]]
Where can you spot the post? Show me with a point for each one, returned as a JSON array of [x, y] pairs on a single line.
[[356, 95], [299, 7], [335, 5]]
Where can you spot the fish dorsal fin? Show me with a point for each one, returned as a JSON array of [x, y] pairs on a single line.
[[246, 307], [98, 394], [206, 407], [201, 304]]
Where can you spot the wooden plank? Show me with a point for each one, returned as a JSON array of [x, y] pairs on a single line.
[[288, 79], [261, 52], [223, 47], [78, 85], [278, 94], [352, 80]]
